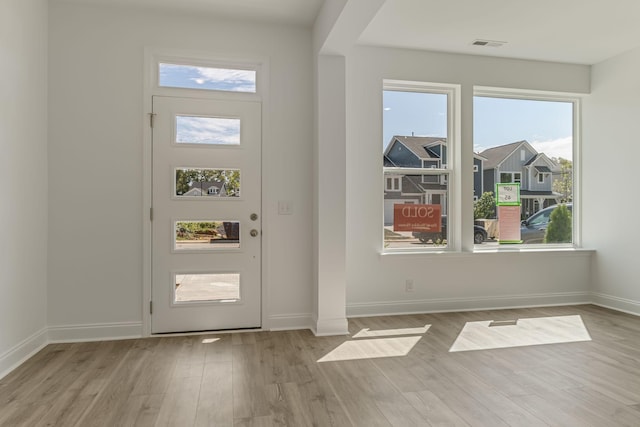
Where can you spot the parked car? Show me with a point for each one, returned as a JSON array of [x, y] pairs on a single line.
[[533, 229], [479, 234]]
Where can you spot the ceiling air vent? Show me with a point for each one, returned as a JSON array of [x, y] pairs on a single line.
[[489, 43]]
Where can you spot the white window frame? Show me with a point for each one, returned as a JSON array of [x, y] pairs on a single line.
[[153, 57], [576, 101], [396, 183], [513, 176], [450, 172], [541, 178]]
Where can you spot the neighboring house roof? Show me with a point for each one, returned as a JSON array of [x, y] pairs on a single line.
[[194, 191], [387, 163], [204, 186], [497, 155], [411, 184], [419, 186], [551, 165], [418, 145]]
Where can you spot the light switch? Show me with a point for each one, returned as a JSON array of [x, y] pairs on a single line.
[[285, 207]]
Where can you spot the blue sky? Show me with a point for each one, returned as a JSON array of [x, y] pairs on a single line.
[[547, 125], [192, 77], [207, 130]]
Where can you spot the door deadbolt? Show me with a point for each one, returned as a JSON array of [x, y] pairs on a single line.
[[253, 232], [254, 216]]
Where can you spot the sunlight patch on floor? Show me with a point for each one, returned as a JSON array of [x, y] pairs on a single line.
[[371, 349], [485, 335], [367, 333]]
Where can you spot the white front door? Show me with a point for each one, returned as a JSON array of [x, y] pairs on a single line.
[[206, 215]]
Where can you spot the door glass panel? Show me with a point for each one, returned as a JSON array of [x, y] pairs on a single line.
[[207, 130], [206, 235], [207, 182], [207, 78], [220, 287]]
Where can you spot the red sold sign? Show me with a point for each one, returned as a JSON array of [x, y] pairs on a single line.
[[410, 217]]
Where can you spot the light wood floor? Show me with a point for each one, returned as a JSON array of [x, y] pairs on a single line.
[[391, 371]]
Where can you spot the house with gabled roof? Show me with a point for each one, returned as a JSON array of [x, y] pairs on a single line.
[[519, 162], [420, 152], [207, 188]]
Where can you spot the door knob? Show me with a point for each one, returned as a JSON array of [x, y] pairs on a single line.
[[253, 232]]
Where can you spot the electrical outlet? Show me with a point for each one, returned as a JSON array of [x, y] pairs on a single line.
[[408, 285]]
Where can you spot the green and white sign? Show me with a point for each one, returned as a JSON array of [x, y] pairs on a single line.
[[508, 194]]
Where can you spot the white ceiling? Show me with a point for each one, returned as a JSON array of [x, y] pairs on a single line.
[[294, 12], [573, 31]]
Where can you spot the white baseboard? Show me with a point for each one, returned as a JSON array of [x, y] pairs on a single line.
[[387, 308], [19, 353], [329, 327], [95, 332], [616, 303], [289, 322]]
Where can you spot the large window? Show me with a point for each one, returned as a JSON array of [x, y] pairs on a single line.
[[525, 139], [522, 175], [417, 153]]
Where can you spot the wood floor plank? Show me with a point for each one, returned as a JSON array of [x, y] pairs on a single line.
[[155, 375], [323, 404], [462, 402], [287, 406], [141, 410], [372, 377], [108, 404], [603, 406], [249, 391], [434, 410], [215, 402], [28, 378], [180, 402], [399, 412], [263, 421]]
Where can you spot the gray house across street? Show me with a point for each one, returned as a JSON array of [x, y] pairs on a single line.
[[420, 152], [520, 162], [206, 188], [516, 162]]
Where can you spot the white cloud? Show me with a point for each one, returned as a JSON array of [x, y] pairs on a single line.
[[240, 80], [208, 130], [561, 147]]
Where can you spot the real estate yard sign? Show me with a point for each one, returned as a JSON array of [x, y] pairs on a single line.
[[414, 217], [508, 194], [508, 203]]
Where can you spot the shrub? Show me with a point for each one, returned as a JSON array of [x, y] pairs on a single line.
[[485, 206], [559, 228]]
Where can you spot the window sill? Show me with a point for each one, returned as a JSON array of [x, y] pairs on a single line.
[[508, 250]]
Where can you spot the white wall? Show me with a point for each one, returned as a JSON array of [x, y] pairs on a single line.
[[23, 172], [612, 140], [96, 178], [375, 282]]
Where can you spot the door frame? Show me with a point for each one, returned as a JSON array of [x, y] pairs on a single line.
[[152, 56]]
